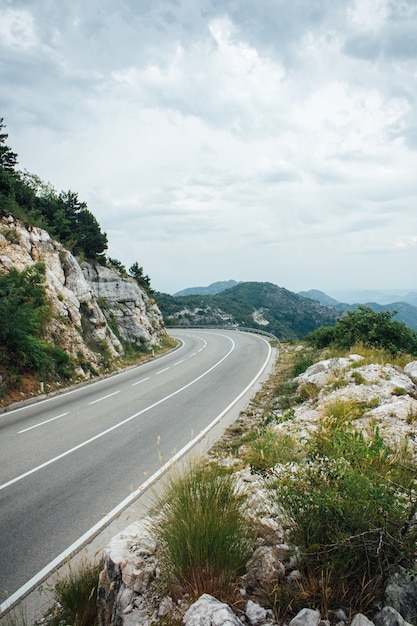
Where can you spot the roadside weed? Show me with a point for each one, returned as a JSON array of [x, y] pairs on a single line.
[[205, 535], [76, 596]]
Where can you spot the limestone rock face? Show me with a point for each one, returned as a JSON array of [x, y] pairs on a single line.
[[136, 317], [79, 323]]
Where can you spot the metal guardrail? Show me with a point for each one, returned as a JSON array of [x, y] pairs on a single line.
[[247, 329]]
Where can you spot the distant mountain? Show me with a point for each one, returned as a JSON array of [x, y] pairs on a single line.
[[410, 298], [406, 313], [374, 295], [209, 291], [319, 296], [252, 304]]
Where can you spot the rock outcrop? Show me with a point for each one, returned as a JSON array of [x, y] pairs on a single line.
[[85, 299], [136, 317]]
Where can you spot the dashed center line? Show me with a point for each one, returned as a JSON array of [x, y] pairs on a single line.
[[164, 370], [138, 382], [41, 423], [104, 398]]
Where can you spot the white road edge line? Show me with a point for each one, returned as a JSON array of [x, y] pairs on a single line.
[[104, 397], [19, 432], [40, 576], [109, 430]]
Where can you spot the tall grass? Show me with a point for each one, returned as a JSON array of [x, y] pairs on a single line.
[[205, 536], [76, 596]]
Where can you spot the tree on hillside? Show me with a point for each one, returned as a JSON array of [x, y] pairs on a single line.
[[8, 158], [375, 329], [63, 215], [143, 280], [91, 240]]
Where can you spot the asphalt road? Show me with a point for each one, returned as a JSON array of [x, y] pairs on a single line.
[[69, 461]]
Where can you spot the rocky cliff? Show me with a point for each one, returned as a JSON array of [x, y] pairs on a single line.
[[94, 309]]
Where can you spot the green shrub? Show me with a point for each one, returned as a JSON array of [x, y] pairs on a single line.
[[204, 532], [302, 361], [76, 597], [269, 448], [365, 326], [358, 378], [308, 391], [11, 235], [348, 508]]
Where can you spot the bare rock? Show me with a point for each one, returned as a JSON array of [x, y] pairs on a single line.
[[411, 370], [306, 617], [209, 611], [390, 617], [361, 620], [401, 594], [264, 568], [255, 613]]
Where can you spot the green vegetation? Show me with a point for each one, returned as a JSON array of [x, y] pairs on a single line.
[[287, 314], [143, 280], [348, 507], [25, 312], [269, 447], [205, 534], [76, 597], [372, 329]]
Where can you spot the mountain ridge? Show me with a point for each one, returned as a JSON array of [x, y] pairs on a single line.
[[211, 289], [261, 305], [405, 312]]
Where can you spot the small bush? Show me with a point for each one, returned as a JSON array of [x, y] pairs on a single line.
[[308, 391], [358, 378], [373, 329], [12, 236], [76, 597], [348, 508], [205, 535], [269, 448], [302, 361]]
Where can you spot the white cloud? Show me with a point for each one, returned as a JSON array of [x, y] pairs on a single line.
[[17, 28], [369, 15]]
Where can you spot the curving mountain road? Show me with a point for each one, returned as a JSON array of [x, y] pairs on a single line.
[[71, 462]]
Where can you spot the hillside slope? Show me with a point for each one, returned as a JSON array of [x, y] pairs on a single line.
[[252, 304], [210, 290], [94, 313]]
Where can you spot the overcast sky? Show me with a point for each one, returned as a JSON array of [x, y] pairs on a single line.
[[267, 140]]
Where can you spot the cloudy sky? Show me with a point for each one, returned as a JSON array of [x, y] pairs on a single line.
[[267, 140]]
